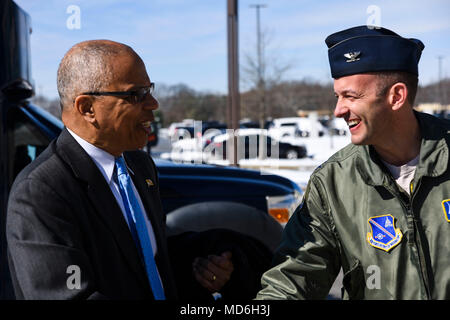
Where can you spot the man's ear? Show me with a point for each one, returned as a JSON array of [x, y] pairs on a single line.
[[84, 106], [398, 95]]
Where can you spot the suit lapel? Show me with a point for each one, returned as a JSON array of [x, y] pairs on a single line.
[[101, 198]]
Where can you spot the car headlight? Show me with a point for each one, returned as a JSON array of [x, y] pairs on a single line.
[[281, 208]]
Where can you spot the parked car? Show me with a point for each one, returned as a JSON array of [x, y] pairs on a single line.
[[194, 130], [210, 135], [249, 142], [194, 197], [174, 126], [335, 126], [184, 133], [247, 123], [295, 127]]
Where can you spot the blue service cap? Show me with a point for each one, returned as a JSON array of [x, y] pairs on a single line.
[[368, 49]]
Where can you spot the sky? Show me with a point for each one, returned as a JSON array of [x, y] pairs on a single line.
[[185, 41]]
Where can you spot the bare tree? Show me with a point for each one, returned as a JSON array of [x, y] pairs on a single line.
[[262, 70], [178, 102]]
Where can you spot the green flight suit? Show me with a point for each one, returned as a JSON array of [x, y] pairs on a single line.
[[331, 228]]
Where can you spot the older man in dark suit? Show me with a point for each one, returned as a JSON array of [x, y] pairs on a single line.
[[84, 219]]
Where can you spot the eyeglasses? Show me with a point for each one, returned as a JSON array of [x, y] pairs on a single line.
[[138, 95]]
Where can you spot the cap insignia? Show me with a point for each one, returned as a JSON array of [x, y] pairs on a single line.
[[352, 56]]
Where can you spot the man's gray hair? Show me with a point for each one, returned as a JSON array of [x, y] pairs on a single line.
[[86, 67]]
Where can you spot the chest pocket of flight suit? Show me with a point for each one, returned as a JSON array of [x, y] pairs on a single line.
[[353, 283]]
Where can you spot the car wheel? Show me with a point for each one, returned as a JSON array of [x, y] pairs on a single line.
[[226, 215], [292, 154], [249, 233]]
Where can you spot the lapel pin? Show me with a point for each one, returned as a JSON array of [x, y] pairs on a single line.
[[149, 182]]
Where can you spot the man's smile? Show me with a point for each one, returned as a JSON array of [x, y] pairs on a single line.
[[353, 123]]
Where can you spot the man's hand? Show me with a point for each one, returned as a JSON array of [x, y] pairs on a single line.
[[213, 272]]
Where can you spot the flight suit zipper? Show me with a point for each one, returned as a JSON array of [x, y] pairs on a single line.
[[422, 262], [413, 241]]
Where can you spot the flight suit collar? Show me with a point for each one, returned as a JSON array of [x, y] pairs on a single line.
[[433, 156], [434, 151]]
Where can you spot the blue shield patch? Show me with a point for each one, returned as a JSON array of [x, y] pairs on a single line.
[[446, 207], [383, 233]]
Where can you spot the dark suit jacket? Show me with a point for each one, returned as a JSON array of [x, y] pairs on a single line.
[[61, 212]]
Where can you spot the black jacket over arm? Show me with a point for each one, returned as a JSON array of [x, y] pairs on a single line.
[[61, 212]]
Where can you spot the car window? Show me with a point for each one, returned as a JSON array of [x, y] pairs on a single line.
[[288, 124], [25, 141]]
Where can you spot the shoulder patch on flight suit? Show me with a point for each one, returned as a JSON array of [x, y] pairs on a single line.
[[446, 207], [383, 234]]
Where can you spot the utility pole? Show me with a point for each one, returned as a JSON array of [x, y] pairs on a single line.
[[261, 84], [233, 102], [258, 38], [440, 79]]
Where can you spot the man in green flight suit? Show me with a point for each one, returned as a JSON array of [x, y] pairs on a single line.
[[380, 207]]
